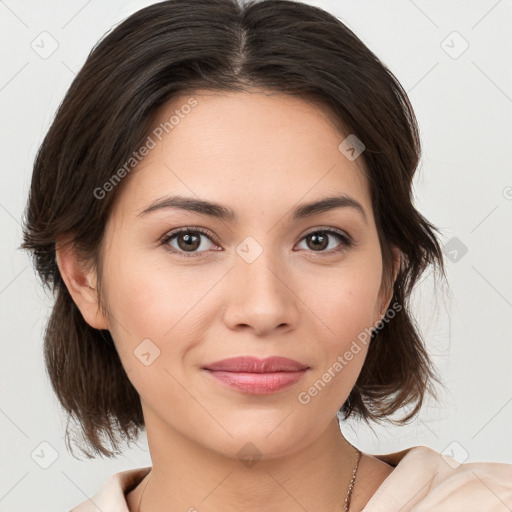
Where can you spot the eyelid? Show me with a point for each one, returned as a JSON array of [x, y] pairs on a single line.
[[328, 229], [186, 229]]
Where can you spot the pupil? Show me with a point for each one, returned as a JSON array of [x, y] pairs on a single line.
[[191, 241], [319, 238]]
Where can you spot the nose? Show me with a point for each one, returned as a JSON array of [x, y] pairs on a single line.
[[261, 296]]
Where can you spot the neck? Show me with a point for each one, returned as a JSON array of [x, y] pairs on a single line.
[[187, 476]]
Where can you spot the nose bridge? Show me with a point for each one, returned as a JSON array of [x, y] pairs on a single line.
[[260, 265], [263, 298]]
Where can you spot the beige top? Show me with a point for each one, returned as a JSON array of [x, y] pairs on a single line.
[[423, 480]]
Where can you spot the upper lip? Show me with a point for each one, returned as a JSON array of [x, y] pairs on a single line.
[[255, 365]]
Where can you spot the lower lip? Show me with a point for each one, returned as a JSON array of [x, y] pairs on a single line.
[[257, 383]]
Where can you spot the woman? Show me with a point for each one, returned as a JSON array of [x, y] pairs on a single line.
[[223, 207]]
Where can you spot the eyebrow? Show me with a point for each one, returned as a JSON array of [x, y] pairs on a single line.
[[222, 212]]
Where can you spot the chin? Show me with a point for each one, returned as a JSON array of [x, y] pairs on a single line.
[[269, 438]]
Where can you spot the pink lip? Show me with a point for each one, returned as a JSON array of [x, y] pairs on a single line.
[[257, 376]]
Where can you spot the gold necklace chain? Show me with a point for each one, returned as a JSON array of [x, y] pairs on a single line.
[[348, 498]]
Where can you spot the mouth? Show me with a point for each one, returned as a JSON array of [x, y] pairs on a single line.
[[257, 376]]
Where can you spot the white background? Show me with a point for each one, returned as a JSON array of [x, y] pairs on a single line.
[[464, 186]]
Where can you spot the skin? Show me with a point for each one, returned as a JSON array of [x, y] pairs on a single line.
[[260, 154]]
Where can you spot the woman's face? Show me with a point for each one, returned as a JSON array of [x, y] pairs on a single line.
[[273, 279]]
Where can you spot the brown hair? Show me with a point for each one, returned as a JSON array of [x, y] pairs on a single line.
[[177, 45]]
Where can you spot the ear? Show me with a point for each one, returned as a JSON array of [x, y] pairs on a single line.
[[81, 282], [397, 258]]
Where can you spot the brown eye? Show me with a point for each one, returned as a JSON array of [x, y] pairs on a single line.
[[320, 240], [188, 241]]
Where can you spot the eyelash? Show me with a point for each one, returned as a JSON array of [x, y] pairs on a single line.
[[347, 242]]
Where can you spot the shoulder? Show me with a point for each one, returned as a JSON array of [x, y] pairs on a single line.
[[426, 480], [112, 495]]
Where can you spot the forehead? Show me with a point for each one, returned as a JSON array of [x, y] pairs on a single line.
[[253, 149]]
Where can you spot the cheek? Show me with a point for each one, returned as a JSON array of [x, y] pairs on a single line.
[[161, 304], [350, 311], [346, 315], [347, 301], [151, 331]]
